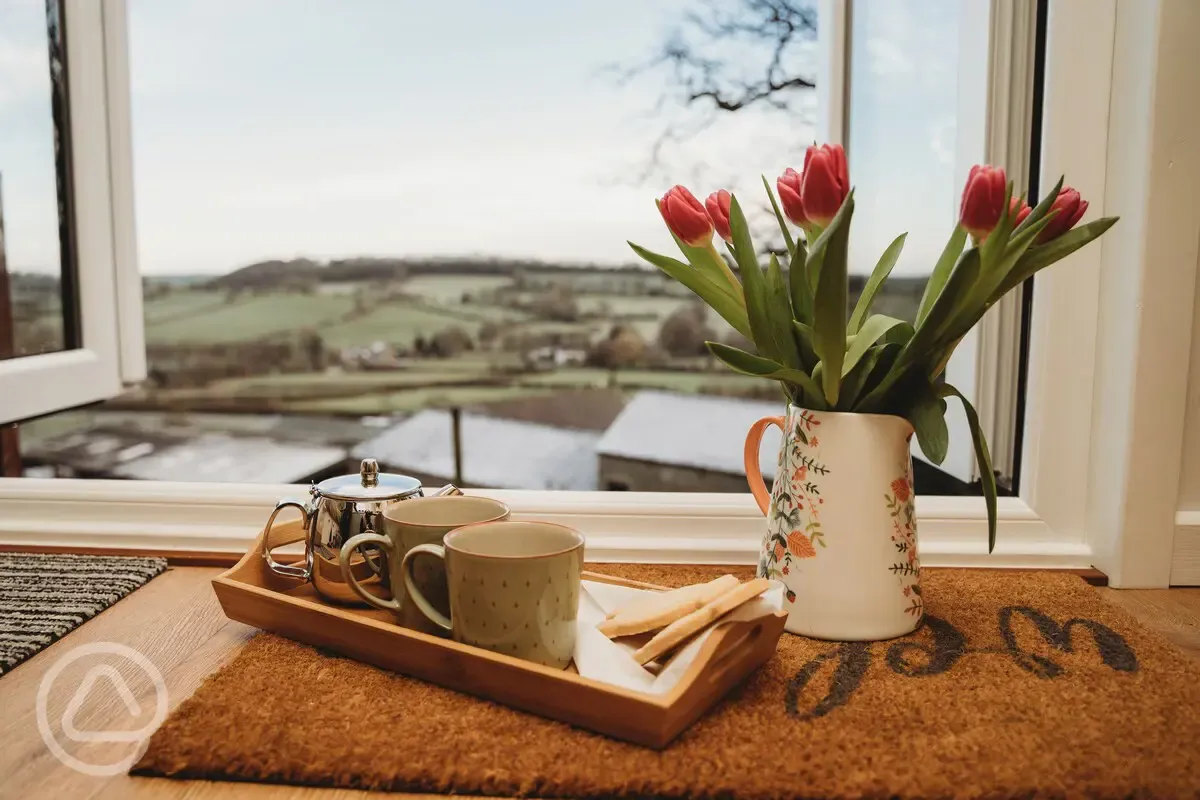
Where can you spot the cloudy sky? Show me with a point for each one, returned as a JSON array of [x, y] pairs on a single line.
[[330, 128]]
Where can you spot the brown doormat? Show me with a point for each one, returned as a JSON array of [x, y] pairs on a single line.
[[1018, 684]]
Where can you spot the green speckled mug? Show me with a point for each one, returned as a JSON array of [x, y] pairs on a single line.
[[514, 588]]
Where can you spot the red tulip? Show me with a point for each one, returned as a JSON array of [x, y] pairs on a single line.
[[1070, 207], [686, 218], [825, 182], [718, 210], [788, 186], [1019, 210], [982, 201]]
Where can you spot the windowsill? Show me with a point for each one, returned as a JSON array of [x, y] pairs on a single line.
[[620, 526]]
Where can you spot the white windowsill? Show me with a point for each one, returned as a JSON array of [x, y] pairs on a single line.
[[650, 527]]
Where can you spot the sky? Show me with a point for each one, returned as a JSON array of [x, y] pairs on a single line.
[[333, 128]]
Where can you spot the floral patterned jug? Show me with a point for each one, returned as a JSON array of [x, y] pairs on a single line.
[[841, 532]]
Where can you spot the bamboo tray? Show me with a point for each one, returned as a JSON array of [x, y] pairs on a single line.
[[251, 593]]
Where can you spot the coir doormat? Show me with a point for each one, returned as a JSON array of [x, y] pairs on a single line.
[[1017, 685]]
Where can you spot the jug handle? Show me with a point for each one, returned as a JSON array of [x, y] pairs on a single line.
[[289, 570], [754, 477]]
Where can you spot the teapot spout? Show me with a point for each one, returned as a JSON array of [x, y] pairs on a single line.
[[446, 491]]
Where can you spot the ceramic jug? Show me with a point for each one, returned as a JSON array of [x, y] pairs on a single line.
[[841, 532]]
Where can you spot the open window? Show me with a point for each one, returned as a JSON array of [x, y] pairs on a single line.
[[307, 155], [70, 294]]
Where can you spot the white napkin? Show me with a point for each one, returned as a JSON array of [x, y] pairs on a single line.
[[600, 658]]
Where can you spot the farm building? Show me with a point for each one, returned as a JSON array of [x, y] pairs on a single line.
[[496, 453], [668, 442]]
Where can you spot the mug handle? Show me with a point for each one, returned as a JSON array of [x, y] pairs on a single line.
[[288, 570], [352, 544], [754, 477], [410, 583]]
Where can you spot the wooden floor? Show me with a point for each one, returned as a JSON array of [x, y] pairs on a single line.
[[176, 623]]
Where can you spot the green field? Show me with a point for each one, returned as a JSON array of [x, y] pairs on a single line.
[[395, 323], [412, 400], [449, 289], [306, 384], [250, 318], [644, 379], [181, 302]]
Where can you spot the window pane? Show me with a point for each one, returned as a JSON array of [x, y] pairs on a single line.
[[354, 216], [33, 225], [901, 141]]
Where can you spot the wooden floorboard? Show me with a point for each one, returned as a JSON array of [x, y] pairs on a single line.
[[176, 622]]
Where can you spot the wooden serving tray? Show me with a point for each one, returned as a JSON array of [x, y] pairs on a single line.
[[253, 594]]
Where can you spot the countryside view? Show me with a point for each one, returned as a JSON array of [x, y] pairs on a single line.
[[529, 329]]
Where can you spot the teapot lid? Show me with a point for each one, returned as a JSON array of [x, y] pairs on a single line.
[[369, 484]]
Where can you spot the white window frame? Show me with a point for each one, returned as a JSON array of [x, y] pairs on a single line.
[[1080, 399], [112, 350]]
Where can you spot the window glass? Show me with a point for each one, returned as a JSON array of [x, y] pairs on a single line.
[[33, 227], [354, 217], [901, 139]]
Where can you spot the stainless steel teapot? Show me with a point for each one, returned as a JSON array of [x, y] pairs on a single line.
[[337, 509]]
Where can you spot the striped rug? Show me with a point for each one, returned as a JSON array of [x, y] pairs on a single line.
[[43, 597]]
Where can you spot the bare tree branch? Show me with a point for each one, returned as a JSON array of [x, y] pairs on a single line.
[[727, 56]]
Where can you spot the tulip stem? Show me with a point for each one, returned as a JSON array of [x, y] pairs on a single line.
[[737, 286]]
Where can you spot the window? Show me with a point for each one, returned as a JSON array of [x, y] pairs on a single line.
[[65, 266], [388, 248], [324, 130]]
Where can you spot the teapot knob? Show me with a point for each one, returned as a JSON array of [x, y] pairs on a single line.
[[369, 471]]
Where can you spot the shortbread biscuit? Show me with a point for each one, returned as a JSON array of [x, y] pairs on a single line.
[[660, 609], [700, 619]]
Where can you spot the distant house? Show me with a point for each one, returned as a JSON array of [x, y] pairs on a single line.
[[236, 459], [666, 442], [496, 453], [147, 445]]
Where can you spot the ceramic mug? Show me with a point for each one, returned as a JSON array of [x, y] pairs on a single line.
[[401, 528], [514, 588]]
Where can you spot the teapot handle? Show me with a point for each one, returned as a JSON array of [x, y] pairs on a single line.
[[289, 570]]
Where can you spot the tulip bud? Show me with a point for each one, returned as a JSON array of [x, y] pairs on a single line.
[[788, 186], [1019, 210], [1070, 207], [825, 182], [982, 201], [686, 218], [718, 210]]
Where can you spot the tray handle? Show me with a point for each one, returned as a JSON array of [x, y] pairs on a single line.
[[736, 639]]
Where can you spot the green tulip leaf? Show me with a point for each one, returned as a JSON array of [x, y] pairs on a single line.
[[941, 272], [750, 364], [754, 284], [718, 296], [928, 418], [829, 324], [984, 459], [882, 269], [1039, 257], [804, 342], [1042, 208], [779, 315], [874, 329], [783, 226], [870, 368]]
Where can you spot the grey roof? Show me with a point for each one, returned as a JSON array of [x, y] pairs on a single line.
[[233, 459], [691, 430], [497, 453]]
